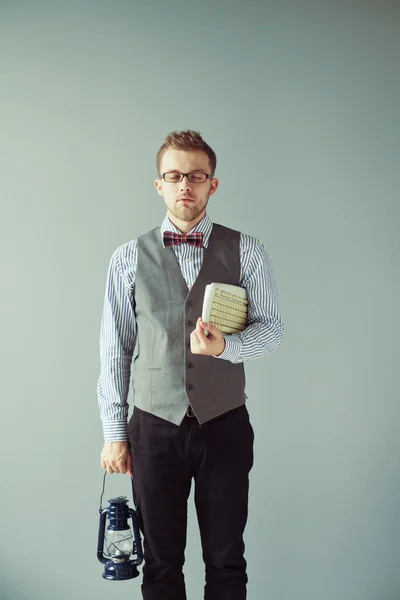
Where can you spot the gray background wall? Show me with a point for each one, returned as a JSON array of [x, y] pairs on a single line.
[[301, 104]]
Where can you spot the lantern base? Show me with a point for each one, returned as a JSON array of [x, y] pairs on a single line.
[[120, 571]]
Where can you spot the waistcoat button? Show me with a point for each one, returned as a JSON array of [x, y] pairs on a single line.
[[189, 365], [190, 386], [189, 322], [189, 303]]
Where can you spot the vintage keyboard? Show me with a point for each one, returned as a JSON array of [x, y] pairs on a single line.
[[226, 307]]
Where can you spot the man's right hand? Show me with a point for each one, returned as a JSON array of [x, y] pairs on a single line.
[[116, 458]]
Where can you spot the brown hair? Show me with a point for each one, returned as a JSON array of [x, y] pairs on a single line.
[[187, 140]]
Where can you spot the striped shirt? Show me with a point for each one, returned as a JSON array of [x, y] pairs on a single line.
[[263, 334]]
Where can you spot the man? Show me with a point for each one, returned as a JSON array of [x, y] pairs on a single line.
[[189, 419]]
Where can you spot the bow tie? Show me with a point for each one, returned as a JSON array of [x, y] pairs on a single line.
[[172, 239]]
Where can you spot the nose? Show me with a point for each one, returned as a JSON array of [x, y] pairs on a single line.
[[185, 183]]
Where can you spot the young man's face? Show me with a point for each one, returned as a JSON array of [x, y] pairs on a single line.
[[185, 215]]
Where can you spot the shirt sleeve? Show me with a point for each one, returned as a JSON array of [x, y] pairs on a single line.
[[265, 329], [117, 342]]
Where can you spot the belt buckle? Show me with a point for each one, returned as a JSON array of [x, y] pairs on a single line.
[[189, 412]]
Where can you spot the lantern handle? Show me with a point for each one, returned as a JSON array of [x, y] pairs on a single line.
[[101, 497]]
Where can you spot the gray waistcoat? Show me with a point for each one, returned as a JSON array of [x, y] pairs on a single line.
[[167, 376]]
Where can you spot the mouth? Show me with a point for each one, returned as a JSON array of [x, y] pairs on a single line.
[[185, 200]]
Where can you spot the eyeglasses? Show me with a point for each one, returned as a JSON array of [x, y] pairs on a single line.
[[173, 177]]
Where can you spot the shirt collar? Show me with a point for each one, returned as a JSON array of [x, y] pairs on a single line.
[[205, 226]]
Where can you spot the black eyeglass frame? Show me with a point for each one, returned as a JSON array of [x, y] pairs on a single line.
[[182, 175]]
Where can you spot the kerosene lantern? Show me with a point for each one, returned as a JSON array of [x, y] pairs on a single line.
[[116, 544]]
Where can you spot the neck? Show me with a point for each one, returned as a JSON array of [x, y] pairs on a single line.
[[185, 226]]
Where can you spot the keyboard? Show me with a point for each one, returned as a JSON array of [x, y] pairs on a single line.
[[226, 307]]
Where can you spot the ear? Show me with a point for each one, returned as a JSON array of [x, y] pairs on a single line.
[[157, 183], [214, 185]]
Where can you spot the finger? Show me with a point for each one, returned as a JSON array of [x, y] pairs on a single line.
[[129, 465], [212, 330], [112, 466], [195, 346], [199, 330], [124, 466], [195, 337], [207, 326]]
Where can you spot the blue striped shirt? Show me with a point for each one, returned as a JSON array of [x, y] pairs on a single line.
[[263, 334]]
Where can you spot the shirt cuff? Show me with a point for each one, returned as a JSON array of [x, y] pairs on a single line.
[[232, 349], [115, 431]]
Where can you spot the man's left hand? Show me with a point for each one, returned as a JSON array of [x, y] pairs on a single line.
[[213, 344]]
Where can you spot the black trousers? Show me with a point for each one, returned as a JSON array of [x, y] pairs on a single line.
[[218, 455]]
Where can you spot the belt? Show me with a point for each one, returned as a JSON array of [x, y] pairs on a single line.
[[189, 412]]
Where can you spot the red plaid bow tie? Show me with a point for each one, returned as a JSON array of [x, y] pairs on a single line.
[[172, 239]]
